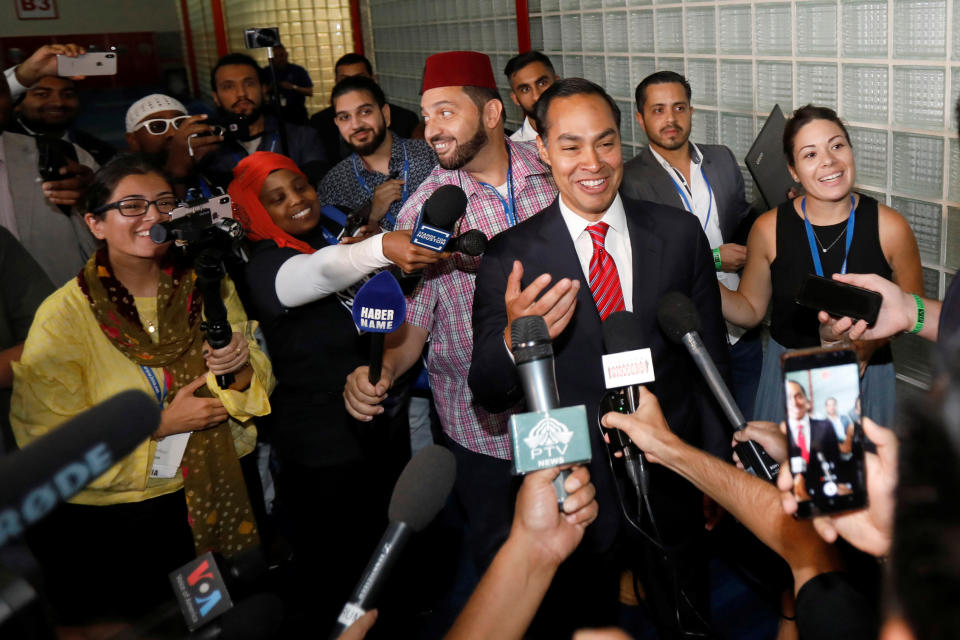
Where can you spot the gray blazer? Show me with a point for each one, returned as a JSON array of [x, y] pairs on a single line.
[[645, 179], [60, 243]]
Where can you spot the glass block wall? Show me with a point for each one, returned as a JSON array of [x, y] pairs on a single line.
[[204, 42], [895, 87]]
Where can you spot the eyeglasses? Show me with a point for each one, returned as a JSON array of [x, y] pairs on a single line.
[[159, 126], [134, 207]]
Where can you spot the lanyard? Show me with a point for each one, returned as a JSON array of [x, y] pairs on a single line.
[[158, 390], [851, 221], [686, 201], [510, 205], [406, 179]]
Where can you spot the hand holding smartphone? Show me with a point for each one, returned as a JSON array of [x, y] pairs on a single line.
[[87, 64], [840, 299], [824, 433]]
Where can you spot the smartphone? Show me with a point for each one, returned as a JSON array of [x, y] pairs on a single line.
[[53, 154], [258, 38], [839, 299], [88, 64], [824, 434]]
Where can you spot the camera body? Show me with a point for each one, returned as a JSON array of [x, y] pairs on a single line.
[[53, 153], [260, 37], [200, 224]]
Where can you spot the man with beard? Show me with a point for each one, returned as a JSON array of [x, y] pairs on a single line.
[[505, 183], [238, 93], [159, 126], [294, 83], [530, 74], [705, 180], [384, 169]]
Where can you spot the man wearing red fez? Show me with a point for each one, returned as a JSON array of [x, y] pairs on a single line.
[[505, 184]]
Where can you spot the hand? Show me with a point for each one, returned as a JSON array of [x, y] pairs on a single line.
[[43, 62], [410, 257], [556, 305], [870, 529], [608, 633], [69, 191], [766, 434], [712, 513], [284, 84], [647, 426], [190, 135], [384, 196], [898, 311], [537, 520], [358, 630], [363, 399], [188, 413], [732, 257], [228, 359]]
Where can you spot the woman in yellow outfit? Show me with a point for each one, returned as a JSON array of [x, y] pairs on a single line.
[[131, 320]]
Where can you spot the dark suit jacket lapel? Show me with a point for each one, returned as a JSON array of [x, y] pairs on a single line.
[[719, 185], [659, 180], [647, 250]]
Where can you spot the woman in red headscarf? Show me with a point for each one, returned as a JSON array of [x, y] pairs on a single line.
[[335, 474]]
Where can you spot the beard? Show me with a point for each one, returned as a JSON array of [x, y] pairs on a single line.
[[465, 152], [379, 135], [239, 121], [677, 142], [41, 127]]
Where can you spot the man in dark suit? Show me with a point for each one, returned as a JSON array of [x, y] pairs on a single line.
[[705, 180], [810, 436], [648, 250]]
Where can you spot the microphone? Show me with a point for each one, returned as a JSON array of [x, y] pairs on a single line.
[[472, 242], [58, 465], [548, 436], [420, 493], [678, 319], [626, 365], [378, 308], [440, 213]]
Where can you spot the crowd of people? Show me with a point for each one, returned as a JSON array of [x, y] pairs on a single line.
[[278, 442]]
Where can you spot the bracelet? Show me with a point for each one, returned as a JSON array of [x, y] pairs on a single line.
[[716, 259], [921, 315]]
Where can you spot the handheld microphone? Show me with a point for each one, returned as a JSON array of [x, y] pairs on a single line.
[[58, 465], [420, 493], [678, 319], [548, 436], [472, 242], [627, 365], [378, 308], [440, 213]]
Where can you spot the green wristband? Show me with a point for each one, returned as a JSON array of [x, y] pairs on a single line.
[[717, 264], [921, 314]]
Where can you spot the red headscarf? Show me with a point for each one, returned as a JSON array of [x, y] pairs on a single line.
[[248, 178]]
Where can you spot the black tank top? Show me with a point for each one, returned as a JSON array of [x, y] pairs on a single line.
[[795, 326]]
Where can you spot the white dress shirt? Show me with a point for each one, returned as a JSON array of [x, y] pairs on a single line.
[[617, 243], [526, 132], [15, 87]]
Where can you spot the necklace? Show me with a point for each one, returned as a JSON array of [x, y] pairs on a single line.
[[835, 241]]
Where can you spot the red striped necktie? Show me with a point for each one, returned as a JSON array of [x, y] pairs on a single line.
[[604, 279]]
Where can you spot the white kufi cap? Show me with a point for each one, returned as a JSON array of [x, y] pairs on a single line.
[[154, 103]]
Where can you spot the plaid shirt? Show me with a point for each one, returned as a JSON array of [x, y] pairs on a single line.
[[341, 187], [443, 302]]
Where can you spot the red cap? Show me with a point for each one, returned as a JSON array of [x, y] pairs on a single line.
[[458, 69]]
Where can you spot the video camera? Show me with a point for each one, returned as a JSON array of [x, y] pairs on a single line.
[[200, 223]]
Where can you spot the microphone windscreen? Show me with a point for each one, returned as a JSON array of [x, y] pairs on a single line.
[[256, 617], [677, 316], [445, 206], [379, 306], [423, 487], [530, 339], [621, 332], [472, 242], [64, 461]]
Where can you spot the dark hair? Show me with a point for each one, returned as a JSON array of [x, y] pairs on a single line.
[[801, 118], [353, 58], [358, 83], [233, 58], [482, 95], [567, 88], [516, 63], [660, 77], [106, 179]]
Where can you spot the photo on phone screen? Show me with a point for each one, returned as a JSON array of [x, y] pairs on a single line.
[[825, 441]]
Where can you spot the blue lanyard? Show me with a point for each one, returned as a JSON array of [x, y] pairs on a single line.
[[811, 240], [406, 179], [273, 148], [158, 390], [686, 202], [510, 205]]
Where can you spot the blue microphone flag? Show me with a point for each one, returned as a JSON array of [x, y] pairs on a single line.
[[379, 306]]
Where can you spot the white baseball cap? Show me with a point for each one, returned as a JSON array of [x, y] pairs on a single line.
[[151, 104]]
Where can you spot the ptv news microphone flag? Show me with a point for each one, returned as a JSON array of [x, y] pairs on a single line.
[[378, 308], [440, 213], [61, 463]]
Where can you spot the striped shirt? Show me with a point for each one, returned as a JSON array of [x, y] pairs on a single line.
[[443, 302]]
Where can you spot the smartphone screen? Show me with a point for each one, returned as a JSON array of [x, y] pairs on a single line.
[[824, 433]]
